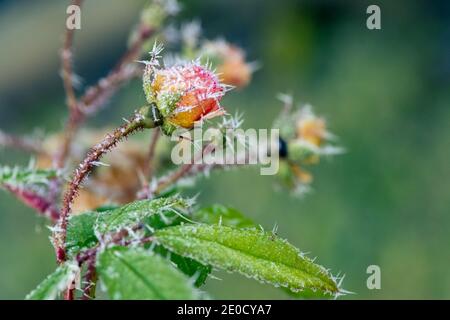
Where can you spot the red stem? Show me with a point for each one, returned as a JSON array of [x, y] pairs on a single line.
[[93, 156]]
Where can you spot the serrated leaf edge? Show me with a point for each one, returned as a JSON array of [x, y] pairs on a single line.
[[325, 272]]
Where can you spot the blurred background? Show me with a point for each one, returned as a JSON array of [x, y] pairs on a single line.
[[385, 93]]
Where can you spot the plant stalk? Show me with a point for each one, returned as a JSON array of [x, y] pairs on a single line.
[[141, 120]]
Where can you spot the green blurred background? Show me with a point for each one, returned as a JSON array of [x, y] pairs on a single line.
[[385, 93]]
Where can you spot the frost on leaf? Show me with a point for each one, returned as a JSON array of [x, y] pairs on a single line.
[[251, 252], [80, 232], [84, 230], [136, 212], [133, 273]]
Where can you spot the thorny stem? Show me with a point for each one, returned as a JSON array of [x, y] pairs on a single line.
[[96, 95], [138, 122], [35, 201]]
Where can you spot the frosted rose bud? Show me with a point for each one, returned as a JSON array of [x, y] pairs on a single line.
[[185, 94], [229, 61]]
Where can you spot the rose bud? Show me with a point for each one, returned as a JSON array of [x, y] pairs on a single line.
[[184, 94]]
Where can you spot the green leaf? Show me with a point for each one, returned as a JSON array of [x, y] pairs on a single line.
[[222, 215], [226, 216], [54, 283], [133, 273], [252, 252], [81, 232], [158, 213], [20, 176], [131, 214], [188, 266], [166, 219], [215, 214]]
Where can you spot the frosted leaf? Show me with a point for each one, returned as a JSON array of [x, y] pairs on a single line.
[[143, 275], [254, 253], [85, 230]]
